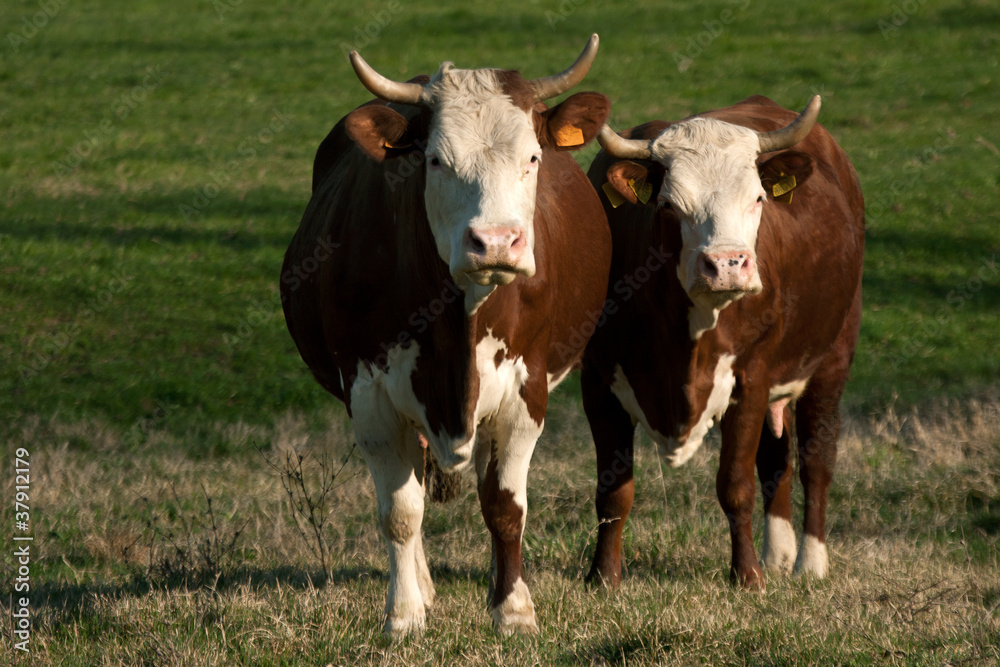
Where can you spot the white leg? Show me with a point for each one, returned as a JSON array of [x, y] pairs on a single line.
[[424, 580], [812, 557], [779, 544], [503, 496], [396, 465]]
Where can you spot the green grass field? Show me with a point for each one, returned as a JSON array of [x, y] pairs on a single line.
[[155, 160]]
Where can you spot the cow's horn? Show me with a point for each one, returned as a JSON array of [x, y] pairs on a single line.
[[557, 84], [386, 89], [616, 146], [795, 132]]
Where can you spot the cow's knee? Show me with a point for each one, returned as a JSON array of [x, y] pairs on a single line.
[[400, 521]]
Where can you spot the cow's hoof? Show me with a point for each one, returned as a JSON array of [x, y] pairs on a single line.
[[606, 581], [519, 624], [516, 614], [813, 559], [750, 579], [398, 627]]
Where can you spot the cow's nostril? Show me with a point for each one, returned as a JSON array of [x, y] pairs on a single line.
[[707, 267], [476, 244]]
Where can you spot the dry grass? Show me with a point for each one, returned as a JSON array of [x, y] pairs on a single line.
[[915, 516]]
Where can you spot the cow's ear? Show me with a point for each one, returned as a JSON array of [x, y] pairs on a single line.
[[630, 181], [785, 172], [379, 131], [574, 122]]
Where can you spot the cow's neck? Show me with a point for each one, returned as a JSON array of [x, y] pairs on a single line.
[[475, 296], [701, 318], [447, 372], [699, 354]]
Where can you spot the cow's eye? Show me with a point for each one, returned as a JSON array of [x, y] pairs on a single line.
[[435, 162], [534, 159]]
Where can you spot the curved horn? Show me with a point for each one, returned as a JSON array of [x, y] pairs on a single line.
[[386, 89], [794, 132], [616, 146], [557, 84]]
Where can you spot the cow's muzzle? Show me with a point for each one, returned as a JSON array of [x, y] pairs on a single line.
[[497, 255], [726, 274]]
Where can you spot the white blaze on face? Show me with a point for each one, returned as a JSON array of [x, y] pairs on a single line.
[[481, 177], [713, 185]]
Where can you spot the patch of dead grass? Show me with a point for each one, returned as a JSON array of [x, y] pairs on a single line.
[[902, 590]]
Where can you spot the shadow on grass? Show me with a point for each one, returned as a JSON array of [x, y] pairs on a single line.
[[446, 574], [117, 220], [642, 645], [65, 602]]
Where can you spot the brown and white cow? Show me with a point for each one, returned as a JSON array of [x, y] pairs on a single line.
[[450, 255], [735, 291]]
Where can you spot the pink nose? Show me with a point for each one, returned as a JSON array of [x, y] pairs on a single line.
[[730, 271], [496, 246]]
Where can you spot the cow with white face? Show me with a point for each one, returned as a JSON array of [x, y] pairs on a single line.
[[482, 173], [450, 255], [757, 309], [714, 190]]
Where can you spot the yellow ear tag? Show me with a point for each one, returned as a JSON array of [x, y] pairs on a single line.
[[782, 190], [569, 136], [388, 145], [612, 194], [643, 191]]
